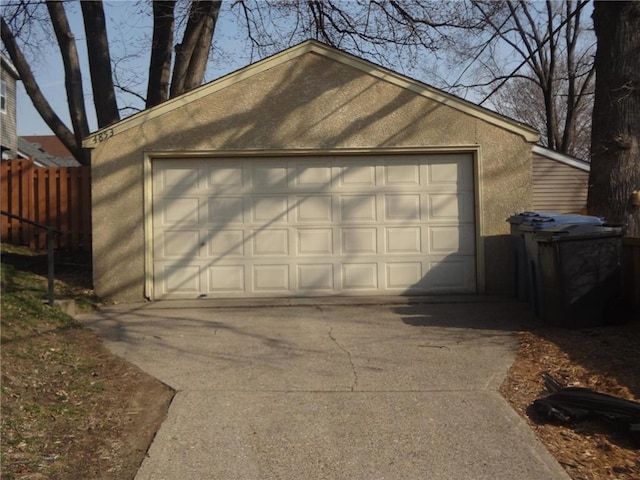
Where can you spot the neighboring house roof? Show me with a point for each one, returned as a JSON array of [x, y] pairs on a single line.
[[8, 66], [318, 48], [42, 158], [50, 144], [562, 158]]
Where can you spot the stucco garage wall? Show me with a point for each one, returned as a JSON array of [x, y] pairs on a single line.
[[310, 102]]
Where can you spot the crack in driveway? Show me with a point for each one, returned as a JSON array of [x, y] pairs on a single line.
[[341, 347]]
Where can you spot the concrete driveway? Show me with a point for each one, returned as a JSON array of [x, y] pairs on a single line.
[[327, 391]]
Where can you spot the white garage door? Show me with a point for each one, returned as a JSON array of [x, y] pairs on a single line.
[[302, 226]]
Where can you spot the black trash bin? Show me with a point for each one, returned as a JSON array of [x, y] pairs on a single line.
[[521, 265], [529, 229], [580, 274]]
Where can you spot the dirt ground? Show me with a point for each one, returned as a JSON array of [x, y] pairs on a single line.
[[70, 409], [605, 359], [78, 412], [100, 430]]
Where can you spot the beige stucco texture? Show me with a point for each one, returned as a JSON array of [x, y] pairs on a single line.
[[310, 101]]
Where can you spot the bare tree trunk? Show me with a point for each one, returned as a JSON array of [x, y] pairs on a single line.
[[570, 38], [198, 63], [73, 77], [161, 51], [39, 101], [99, 63], [615, 139], [200, 11]]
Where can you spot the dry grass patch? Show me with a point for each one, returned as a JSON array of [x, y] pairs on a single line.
[[70, 409]]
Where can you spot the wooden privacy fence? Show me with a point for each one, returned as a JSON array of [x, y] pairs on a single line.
[[59, 197], [631, 272]]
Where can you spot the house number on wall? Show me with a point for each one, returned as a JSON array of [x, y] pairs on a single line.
[[102, 136]]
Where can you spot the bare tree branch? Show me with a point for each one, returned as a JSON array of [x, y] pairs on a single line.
[[73, 77], [39, 101]]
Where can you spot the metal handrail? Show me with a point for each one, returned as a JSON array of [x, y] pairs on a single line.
[[51, 232]]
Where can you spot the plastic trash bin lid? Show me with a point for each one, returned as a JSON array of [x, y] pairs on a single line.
[[540, 223], [522, 217], [562, 233]]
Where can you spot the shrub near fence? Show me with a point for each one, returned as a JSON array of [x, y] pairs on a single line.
[[59, 197]]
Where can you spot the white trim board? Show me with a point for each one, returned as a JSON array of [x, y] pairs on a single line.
[[562, 158]]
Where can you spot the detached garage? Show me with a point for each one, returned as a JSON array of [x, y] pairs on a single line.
[[310, 173]]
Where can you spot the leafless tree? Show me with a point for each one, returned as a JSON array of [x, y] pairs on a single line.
[[522, 99], [542, 51]]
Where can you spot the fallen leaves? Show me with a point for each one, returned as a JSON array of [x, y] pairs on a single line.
[[604, 359]]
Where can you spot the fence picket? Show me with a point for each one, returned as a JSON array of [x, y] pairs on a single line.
[[63, 206], [4, 196], [74, 213]]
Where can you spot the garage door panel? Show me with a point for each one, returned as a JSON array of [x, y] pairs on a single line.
[[444, 174], [268, 178], [356, 175], [315, 241], [314, 209], [444, 206], [224, 210], [177, 179], [225, 178], [403, 240], [178, 243], [316, 277], [313, 226], [357, 241], [225, 243], [359, 276], [270, 242], [271, 278], [450, 207], [270, 209], [179, 211], [403, 275], [453, 239], [402, 207], [225, 279], [402, 175], [447, 172], [358, 208], [316, 177], [179, 279]]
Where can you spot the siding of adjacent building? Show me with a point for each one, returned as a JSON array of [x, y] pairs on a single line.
[[8, 134], [558, 187]]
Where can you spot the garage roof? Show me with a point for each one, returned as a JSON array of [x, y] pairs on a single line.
[[562, 158], [318, 48]]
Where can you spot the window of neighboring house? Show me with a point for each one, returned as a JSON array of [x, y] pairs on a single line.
[[3, 96]]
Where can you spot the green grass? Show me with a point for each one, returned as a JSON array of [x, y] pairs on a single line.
[[24, 308]]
